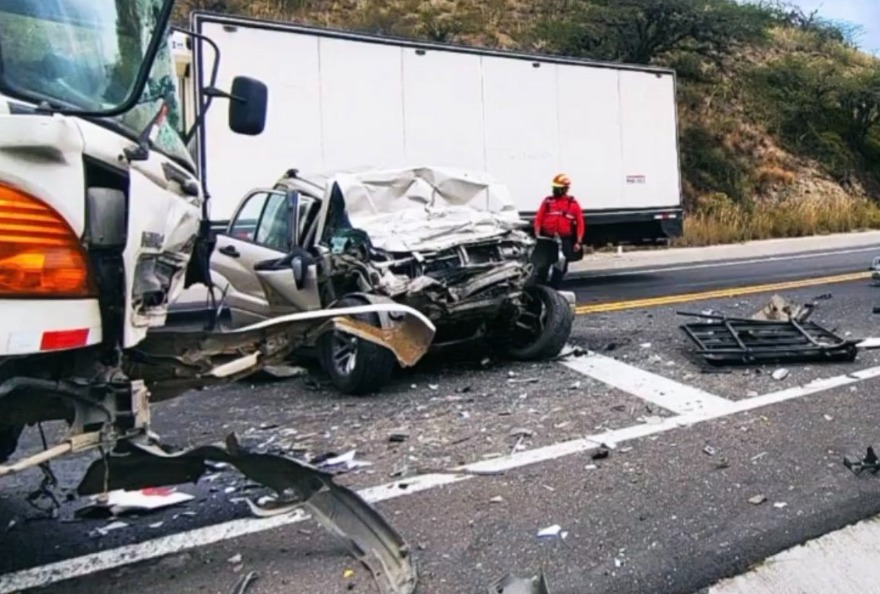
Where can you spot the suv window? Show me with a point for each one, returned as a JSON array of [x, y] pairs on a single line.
[[245, 224], [273, 230]]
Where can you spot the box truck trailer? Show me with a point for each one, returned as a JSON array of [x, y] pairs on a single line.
[[344, 100]]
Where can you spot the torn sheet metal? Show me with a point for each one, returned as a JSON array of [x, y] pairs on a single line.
[[870, 462], [427, 208], [511, 584], [724, 340], [361, 529], [780, 309], [173, 361]]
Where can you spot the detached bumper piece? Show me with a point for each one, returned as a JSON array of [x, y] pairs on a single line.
[[347, 516], [722, 340]]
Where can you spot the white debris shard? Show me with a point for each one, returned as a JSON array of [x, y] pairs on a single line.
[[550, 531], [780, 374], [346, 460]]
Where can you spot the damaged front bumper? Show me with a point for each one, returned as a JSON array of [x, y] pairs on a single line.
[[142, 463]]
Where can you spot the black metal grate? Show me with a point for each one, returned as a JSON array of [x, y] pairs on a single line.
[[724, 341]]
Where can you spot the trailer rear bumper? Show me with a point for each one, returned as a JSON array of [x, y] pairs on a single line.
[[629, 225]]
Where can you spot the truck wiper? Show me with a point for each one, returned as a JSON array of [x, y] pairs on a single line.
[[141, 151]]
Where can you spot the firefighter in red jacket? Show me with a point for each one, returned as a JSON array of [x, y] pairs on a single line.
[[560, 216]]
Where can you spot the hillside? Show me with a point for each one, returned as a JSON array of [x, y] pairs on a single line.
[[779, 113]]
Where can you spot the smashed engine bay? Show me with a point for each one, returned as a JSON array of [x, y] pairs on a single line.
[[450, 246]]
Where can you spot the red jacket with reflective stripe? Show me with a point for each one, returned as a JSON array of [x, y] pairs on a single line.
[[560, 215]]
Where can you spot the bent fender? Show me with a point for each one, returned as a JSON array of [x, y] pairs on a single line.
[[173, 361]]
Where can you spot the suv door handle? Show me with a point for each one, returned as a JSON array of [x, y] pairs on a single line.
[[230, 251]]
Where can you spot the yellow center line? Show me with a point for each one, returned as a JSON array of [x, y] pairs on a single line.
[[719, 294]]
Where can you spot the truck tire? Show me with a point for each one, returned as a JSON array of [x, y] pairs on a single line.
[[355, 366], [549, 319], [9, 435]]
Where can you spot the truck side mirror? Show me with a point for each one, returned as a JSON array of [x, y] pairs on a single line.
[[248, 107]]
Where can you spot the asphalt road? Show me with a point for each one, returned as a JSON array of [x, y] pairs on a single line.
[[663, 513], [672, 280]]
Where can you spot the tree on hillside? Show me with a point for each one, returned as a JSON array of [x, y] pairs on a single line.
[[859, 99], [643, 31]]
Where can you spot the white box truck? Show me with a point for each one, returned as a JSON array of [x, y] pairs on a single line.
[[343, 100]]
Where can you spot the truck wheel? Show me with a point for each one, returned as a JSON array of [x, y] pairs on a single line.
[[356, 366], [9, 435], [544, 326]]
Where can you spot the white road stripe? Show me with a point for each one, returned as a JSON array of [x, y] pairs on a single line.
[[709, 264], [659, 390], [841, 561], [176, 543]]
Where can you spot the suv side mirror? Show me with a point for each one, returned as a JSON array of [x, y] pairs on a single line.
[[248, 107]]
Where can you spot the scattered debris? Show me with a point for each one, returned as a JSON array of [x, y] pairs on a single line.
[[871, 463], [521, 432], [120, 502], [828, 418], [552, 531], [511, 584], [343, 462], [590, 467], [780, 505], [107, 529], [235, 559], [601, 453], [575, 386], [285, 371], [758, 456], [245, 582], [709, 450], [398, 436], [757, 499], [348, 573], [722, 340], [781, 374], [497, 499], [779, 309], [366, 534]]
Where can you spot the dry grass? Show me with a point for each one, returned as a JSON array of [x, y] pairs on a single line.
[[726, 222]]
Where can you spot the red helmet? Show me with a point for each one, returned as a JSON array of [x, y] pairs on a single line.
[[561, 181]]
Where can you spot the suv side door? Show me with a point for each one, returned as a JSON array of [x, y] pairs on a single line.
[[258, 231]]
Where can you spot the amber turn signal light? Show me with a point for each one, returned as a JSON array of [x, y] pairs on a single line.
[[40, 255]]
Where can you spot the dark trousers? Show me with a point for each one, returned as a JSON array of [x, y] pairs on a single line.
[[550, 269]]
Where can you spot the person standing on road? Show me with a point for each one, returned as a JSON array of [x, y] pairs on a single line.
[[560, 217]]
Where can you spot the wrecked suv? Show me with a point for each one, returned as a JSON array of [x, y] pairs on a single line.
[[447, 243]]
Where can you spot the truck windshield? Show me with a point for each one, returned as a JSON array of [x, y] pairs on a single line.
[[87, 55]]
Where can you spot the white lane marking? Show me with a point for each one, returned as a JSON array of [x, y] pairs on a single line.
[[676, 268], [176, 543], [840, 561], [659, 390]]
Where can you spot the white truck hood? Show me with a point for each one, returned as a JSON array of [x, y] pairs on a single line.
[[427, 208]]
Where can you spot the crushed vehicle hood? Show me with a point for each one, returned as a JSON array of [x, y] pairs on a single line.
[[442, 240], [427, 208]]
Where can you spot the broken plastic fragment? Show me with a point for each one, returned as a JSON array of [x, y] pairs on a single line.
[[780, 374], [345, 460], [550, 531], [757, 499]]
